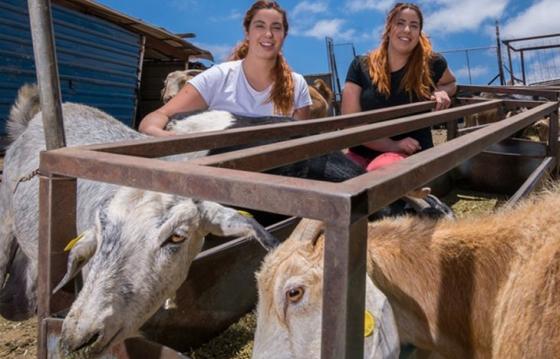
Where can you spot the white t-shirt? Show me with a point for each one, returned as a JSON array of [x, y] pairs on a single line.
[[225, 87]]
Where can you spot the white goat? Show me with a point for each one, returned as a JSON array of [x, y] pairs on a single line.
[[481, 287], [141, 243]]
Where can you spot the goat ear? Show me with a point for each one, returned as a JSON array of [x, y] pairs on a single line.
[[79, 255], [308, 230], [223, 221]]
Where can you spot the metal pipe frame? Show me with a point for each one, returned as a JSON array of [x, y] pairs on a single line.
[[344, 207], [42, 33], [540, 91]]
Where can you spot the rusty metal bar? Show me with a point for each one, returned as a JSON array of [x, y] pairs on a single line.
[[57, 225], [284, 195], [159, 147], [344, 286], [281, 153], [532, 181], [452, 129], [553, 135], [512, 78], [543, 47], [549, 94], [523, 76], [388, 183], [509, 104], [47, 72], [532, 38], [132, 348]]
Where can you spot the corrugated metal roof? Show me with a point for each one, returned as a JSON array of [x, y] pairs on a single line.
[[98, 61], [159, 41]]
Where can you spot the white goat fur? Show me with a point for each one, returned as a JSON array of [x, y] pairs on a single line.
[[138, 260], [481, 287]]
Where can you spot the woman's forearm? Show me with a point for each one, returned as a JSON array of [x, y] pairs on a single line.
[[154, 124], [450, 88]]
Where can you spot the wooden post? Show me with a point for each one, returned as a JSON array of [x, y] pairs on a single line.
[[47, 72]]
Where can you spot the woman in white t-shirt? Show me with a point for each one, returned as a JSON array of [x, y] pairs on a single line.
[[258, 83]]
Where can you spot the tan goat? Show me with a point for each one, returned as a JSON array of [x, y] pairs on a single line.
[[481, 287], [175, 81]]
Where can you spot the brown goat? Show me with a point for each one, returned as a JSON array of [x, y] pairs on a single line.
[[321, 97], [480, 287]]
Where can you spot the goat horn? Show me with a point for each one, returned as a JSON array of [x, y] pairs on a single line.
[[308, 230]]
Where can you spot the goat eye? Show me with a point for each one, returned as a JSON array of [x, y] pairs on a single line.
[[294, 295], [175, 239]]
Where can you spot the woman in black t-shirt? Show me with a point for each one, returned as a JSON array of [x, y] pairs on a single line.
[[403, 69]]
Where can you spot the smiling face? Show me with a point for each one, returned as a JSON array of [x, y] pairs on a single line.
[[405, 32], [265, 34]]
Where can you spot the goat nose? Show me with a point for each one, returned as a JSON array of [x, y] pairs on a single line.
[[72, 344]]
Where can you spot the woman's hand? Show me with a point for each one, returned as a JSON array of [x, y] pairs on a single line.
[[407, 145], [188, 99], [442, 99]]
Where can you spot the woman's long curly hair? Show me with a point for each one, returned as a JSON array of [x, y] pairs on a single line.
[[417, 79], [282, 94]]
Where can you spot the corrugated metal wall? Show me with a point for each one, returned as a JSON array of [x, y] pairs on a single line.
[[98, 61]]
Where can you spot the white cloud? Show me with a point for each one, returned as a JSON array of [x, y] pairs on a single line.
[[541, 18], [360, 5], [474, 71], [459, 16], [307, 7], [220, 51], [331, 28]]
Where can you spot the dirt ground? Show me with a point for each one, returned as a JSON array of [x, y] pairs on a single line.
[[18, 339]]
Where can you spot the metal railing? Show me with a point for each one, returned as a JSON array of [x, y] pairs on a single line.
[[233, 178]]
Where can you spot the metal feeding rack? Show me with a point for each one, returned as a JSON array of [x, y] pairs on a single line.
[[235, 178]]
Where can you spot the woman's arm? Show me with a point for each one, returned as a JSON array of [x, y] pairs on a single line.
[[302, 113], [445, 89], [188, 99], [351, 98], [351, 104]]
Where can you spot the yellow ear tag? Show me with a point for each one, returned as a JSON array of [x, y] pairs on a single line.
[[369, 324], [73, 242], [245, 214]]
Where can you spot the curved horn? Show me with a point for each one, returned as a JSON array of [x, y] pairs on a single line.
[[308, 230], [79, 255]]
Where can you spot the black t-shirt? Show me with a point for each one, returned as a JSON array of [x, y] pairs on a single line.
[[371, 98]]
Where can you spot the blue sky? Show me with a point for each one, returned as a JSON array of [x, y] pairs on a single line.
[[451, 25]]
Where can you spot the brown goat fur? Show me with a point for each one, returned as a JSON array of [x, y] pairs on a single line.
[[480, 287], [321, 97]]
